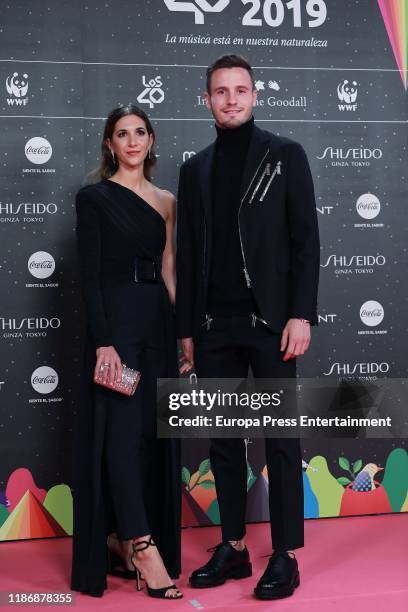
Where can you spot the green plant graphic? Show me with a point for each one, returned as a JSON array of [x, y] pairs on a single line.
[[352, 469], [203, 469]]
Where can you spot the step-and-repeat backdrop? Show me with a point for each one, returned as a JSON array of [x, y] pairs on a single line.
[[329, 74]]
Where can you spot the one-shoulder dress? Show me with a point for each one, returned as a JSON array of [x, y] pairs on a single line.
[[125, 480]]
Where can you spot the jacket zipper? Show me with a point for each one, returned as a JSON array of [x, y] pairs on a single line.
[[205, 244], [253, 178], [266, 172], [245, 270], [254, 319], [207, 322], [268, 184]]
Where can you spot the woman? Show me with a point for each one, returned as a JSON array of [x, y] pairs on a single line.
[[126, 482]]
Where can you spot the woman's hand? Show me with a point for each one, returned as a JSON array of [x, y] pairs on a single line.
[[108, 365]]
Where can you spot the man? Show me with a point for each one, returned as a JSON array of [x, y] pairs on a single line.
[[247, 277]]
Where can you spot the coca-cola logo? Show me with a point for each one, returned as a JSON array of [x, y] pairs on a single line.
[[41, 264], [44, 379], [38, 150], [47, 263], [368, 206], [371, 313], [44, 150]]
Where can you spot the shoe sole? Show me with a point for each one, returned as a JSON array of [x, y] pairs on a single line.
[[281, 594], [238, 574]]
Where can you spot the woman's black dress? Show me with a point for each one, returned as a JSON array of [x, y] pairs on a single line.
[[125, 479]]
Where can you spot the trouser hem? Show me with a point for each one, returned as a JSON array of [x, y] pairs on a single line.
[[287, 547], [229, 538]]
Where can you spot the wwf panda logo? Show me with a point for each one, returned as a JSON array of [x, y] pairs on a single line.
[[347, 92], [17, 86]]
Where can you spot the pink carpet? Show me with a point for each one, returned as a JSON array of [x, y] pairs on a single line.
[[353, 564]]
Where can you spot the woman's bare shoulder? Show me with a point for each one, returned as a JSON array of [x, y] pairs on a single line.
[[167, 200], [165, 196]]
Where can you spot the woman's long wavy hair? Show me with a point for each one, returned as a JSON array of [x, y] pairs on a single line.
[[108, 165]]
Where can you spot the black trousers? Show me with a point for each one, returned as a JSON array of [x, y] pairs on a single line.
[[227, 348], [130, 435], [130, 440]]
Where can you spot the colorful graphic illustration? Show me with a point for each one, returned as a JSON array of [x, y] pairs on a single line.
[[325, 494], [18, 483], [395, 16], [28, 511], [363, 494], [30, 519]]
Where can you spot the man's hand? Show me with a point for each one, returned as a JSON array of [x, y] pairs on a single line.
[[295, 338], [187, 360]]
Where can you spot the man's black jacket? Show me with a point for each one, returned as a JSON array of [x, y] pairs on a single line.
[[278, 233]]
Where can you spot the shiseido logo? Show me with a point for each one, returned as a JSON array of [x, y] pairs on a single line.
[[41, 264], [371, 313], [29, 323], [26, 212], [28, 208], [17, 87], [357, 368], [44, 379], [360, 264], [368, 206], [351, 153], [28, 327], [353, 156], [38, 150]]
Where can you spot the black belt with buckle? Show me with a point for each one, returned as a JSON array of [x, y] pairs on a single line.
[[146, 270]]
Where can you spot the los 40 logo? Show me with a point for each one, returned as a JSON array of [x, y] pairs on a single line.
[[271, 12]]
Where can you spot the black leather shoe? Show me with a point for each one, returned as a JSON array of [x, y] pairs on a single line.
[[280, 578], [226, 562]]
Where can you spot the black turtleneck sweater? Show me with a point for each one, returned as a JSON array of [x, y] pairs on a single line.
[[228, 294]]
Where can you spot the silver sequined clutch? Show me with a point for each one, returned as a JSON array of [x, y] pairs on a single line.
[[128, 383]]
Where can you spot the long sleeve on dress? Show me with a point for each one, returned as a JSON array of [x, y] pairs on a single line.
[[89, 249]]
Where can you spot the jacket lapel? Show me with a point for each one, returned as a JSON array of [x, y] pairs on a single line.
[[257, 151], [206, 164]]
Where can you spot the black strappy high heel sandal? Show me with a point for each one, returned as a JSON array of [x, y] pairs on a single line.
[[158, 593]]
